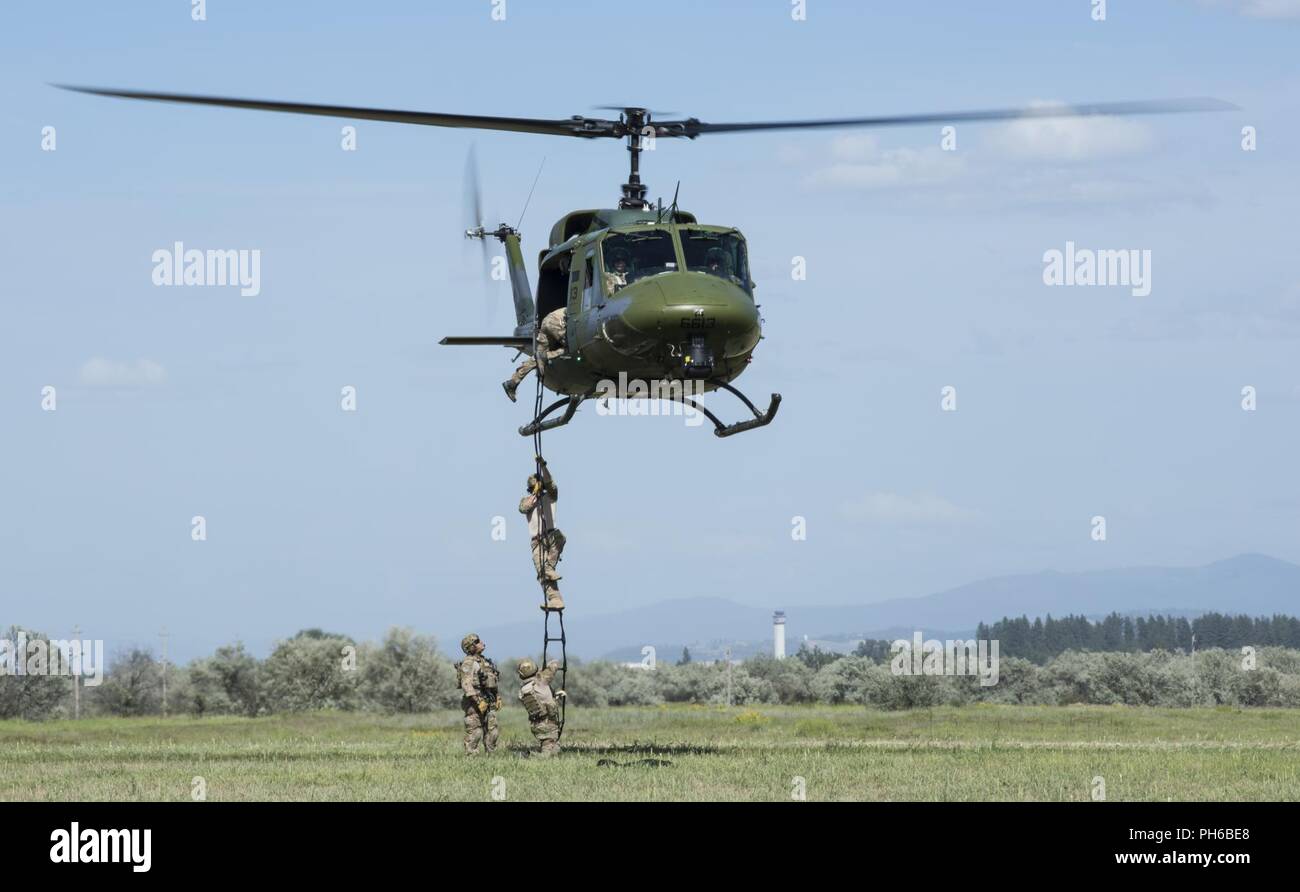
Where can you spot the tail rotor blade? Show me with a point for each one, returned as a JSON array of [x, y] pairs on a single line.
[[473, 191], [477, 223]]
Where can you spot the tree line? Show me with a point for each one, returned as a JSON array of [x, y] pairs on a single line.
[[1042, 639], [406, 672]]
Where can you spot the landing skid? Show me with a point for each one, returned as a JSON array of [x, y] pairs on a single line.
[[538, 424], [571, 403], [760, 419]]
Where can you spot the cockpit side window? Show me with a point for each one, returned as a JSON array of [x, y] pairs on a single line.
[[589, 290], [720, 254], [631, 256]]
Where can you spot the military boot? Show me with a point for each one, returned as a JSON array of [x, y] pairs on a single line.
[[511, 388], [553, 601]]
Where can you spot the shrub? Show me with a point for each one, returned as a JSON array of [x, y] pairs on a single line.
[[131, 687], [307, 672], [37, 695], [229, 681], [405, 673], [843, 681], [789, 681]]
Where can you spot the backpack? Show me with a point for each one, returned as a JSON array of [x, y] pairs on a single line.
[[532, 703]]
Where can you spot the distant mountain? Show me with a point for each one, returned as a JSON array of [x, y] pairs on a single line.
[[1250, 583]]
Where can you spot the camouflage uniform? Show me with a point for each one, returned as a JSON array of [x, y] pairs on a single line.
[[542, 705], [478, 678], [539, 507], [550, 344], [614, 281], [616, 278]]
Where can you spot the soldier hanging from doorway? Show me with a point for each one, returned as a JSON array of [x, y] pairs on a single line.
[[550, 344]]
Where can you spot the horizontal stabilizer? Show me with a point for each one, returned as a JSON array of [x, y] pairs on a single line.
[[517, 343]]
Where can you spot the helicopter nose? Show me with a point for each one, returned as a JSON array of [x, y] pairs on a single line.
[[714, 316], [721, 311]]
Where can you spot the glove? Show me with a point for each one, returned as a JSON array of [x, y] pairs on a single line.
[[537, 487], [496, 704], [481, 706], [560, 695]]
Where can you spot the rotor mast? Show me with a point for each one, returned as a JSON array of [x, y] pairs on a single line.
[[635, 122]]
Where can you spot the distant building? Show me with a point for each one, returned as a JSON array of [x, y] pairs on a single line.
[[778, 634]]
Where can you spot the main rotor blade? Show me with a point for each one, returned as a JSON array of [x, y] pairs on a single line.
[[584, 127], [692, 128]]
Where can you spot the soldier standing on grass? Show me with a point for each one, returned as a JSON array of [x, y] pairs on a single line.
[[477, 676]]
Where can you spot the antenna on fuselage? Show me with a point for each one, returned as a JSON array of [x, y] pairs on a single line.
[[530, 193]]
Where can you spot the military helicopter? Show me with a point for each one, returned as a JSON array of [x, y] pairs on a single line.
[[650, 293]]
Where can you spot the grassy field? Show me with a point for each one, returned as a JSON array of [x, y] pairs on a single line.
[[673, 753]]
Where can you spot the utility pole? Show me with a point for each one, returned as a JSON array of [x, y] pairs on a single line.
[[76, 672], [727, 652], [163, 636]]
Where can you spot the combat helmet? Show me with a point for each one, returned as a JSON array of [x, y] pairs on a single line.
[[527, 668], [467, 643]]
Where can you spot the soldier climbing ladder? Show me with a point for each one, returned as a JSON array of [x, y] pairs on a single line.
[[543, 544]]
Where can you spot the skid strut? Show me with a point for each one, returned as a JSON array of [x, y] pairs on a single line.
[[537, 425]]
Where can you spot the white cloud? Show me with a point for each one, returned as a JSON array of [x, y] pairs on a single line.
[[99, 372], [1259, 9], [1070, 139], [893, 508], [858, 162], [1270, 9], [855, 148]]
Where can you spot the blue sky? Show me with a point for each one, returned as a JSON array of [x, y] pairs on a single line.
[[924, 271]]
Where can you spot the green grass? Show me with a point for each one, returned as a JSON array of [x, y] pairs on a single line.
[[702, 753]]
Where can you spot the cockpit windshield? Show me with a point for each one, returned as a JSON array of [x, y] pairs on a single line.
[[720, 254], [630, 256]]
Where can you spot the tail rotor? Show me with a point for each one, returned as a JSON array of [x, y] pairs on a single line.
[[477, 228]]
